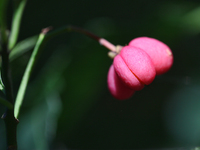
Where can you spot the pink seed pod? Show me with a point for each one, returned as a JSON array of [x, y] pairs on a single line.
[[125, 74], [116, 87], [159, 52], [134, 67]]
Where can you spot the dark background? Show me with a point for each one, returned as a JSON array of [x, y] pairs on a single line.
[[67, 104]]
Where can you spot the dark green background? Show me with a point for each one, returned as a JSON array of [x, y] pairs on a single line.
[[68, 105]]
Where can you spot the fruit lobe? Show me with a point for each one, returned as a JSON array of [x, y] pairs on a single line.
[[138, 63], [126, 75], [117, 88], [160, 53]]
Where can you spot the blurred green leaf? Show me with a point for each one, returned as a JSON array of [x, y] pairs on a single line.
[[182, 112], [17, 15], [23, 47], [51, 77], [39, 124], [3, 6], [191, 21], [50, 110]]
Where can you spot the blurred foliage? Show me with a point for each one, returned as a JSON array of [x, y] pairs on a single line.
[[67, 104]]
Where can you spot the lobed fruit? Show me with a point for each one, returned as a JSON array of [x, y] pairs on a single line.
[[137, 65]]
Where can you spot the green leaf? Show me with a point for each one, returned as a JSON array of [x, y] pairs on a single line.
[[23, 47], [16, 21], [2, 87], [6, 103], [26, 76]]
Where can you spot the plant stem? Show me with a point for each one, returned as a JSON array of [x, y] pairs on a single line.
[[44, 37], [11, 129], [102, 41], [8, 117], [69, 29], [107, 44], [27, 73]]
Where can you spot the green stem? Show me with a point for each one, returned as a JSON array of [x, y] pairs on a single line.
[[26, 76], [9, 119], [3, 25], [11, 129], [6, 76]]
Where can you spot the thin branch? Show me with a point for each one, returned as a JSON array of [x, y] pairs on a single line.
[[44, 36], [27, 73]]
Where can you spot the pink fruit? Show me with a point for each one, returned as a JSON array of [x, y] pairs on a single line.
[[116, 87], [134, 67], [160, 53], [126, 75]]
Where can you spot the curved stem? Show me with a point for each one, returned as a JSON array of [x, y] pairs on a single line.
[[80, 30], [43, 37], [102, 41]]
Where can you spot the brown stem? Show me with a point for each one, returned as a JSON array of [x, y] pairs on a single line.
[[102, 41], [80, 30], [65, 29]]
